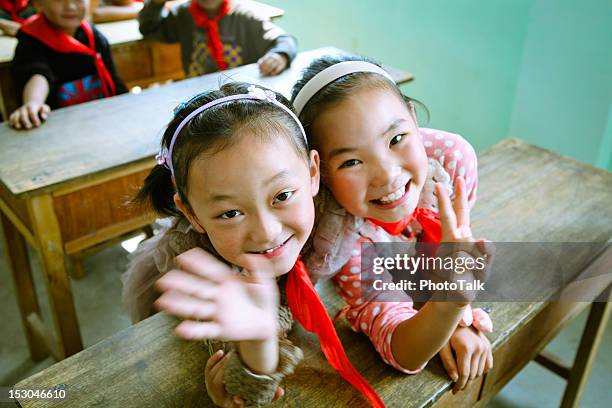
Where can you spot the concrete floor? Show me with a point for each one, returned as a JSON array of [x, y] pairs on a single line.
[[97, 298]]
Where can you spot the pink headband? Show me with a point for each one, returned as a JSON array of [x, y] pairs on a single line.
[[164, 157]]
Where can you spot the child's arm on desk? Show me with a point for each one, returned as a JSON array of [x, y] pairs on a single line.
[[34, 109], [436, 321]]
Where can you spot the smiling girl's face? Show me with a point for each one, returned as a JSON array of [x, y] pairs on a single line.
[[372, 156], [254, 200]]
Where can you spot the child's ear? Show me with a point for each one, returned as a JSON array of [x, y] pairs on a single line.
[[315, 174], [195, 224]]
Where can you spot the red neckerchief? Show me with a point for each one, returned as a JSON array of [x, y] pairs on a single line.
[[14, 7], [212, 30], [308, 310], [429, 220], [39, 27]]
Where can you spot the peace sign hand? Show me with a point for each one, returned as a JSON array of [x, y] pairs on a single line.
[[458, 242]]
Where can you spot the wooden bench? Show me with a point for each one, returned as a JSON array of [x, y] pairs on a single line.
[[146, 365], [64, 186], [139, 62]]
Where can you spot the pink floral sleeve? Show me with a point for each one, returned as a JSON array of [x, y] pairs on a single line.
[[456, 155]]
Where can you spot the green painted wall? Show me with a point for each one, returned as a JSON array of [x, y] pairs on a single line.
[[486, 69]]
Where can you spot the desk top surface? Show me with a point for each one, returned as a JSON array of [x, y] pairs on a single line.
[[123, 32], [523, 196], [101, 136]]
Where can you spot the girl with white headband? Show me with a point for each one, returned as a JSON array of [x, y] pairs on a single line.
[[236, 174], [382, 178]]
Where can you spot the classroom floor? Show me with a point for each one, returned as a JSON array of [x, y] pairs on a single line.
[[97, 297]]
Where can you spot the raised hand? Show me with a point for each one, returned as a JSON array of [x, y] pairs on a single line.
[[218, 303], [458, 242]]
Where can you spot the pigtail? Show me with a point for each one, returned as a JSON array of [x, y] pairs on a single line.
[[157, 192]]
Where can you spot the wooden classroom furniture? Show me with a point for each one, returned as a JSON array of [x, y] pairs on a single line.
[[524, 196], [65, 186], [139, 62]]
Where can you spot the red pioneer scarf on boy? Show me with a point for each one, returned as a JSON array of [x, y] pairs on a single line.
[[39, 27], [212, 30], [14, 8], [308, 310]]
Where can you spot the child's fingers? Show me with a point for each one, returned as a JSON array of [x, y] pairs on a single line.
[[448, 361], [33, 114], [44, 112], [475, 363], [185, 306], [218, 371], [25, 120], [187, 283], [200, 262], [460, 205], [482, 362], [278, 394], [237, 402], [212, 361], [198, 330], [464, 358], [258, 269], [447, 215], [488, 354], [489, 364]]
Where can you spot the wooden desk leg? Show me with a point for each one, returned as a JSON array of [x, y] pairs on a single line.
[[47, 231], [589, 344], [19, 265]]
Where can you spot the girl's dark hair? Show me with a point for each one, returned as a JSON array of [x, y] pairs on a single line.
[[212, 131], [336, 91]]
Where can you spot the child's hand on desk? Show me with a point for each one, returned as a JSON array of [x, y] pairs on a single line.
[[216, 302], [458, 242], [272, 63], [31, 114], [213, 376], [467, 355]]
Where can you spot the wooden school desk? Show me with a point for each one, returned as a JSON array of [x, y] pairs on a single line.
[[139, 62], [523, 196], [64, 186]]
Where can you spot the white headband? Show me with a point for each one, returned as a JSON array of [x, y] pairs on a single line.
[[329, 75]]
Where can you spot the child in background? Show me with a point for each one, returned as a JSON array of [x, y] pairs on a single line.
[[387, 177], [218, 34], [253, 222], [12, 14], [60, 60]]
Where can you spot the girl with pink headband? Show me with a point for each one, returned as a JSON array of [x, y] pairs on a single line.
[[235, 173], [384, 179]]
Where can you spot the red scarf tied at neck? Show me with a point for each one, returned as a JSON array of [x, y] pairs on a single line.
[[13, 8], [39, 27], [429, 220], [200, 18], [308, 310]]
